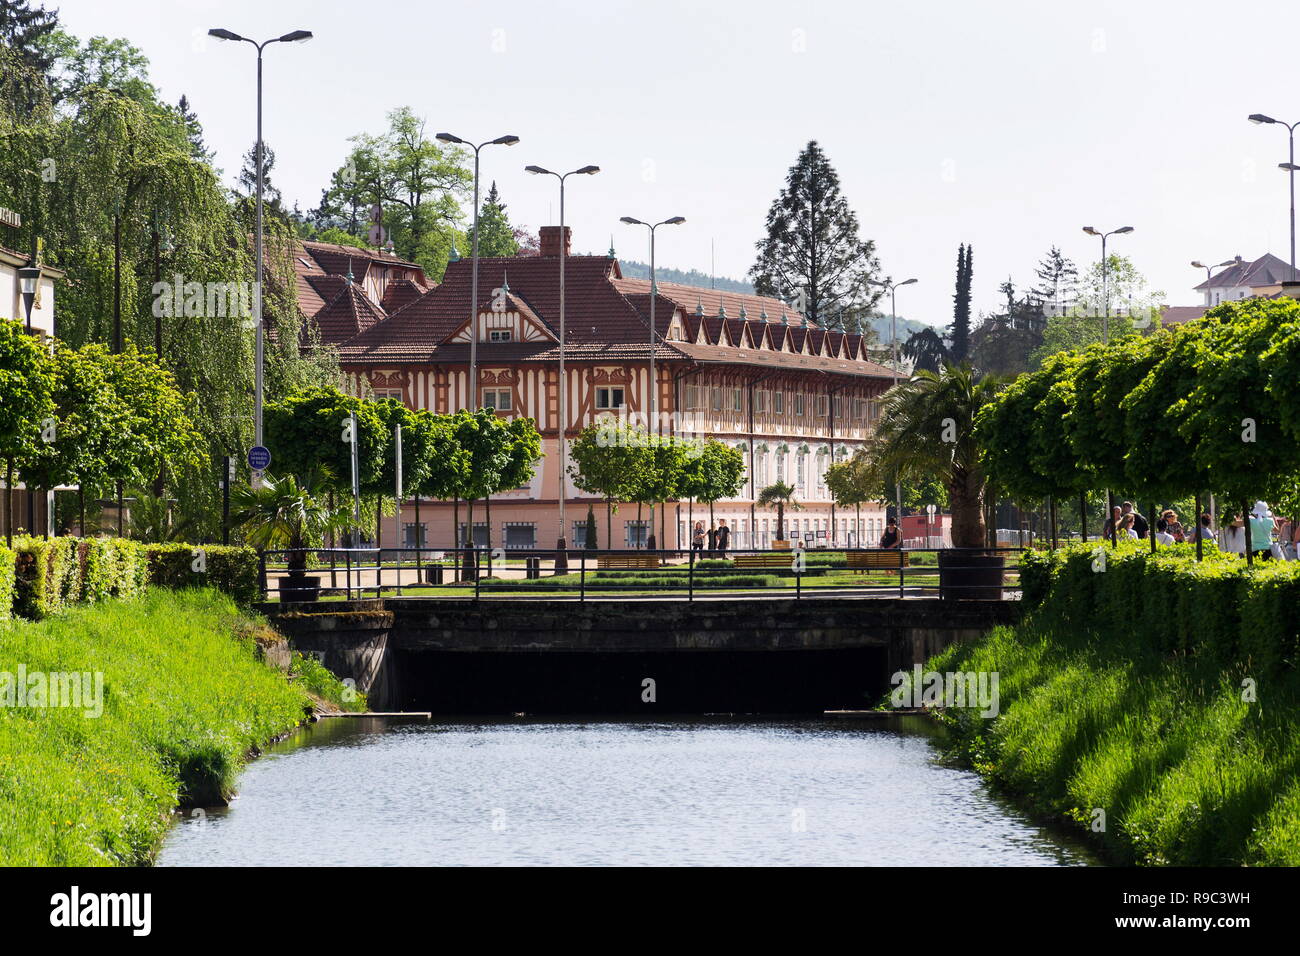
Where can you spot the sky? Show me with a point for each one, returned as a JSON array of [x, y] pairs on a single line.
[[1007, 125]]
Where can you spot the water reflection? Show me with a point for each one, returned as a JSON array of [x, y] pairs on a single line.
[[711, 792]]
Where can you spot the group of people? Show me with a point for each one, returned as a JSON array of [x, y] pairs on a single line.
[[1271, 536], [713, 541]]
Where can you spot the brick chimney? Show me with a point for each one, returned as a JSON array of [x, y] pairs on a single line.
[[549, 240]]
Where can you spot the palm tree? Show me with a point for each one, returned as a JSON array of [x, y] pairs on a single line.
[[283, 514], [926, 431], [781, 495]]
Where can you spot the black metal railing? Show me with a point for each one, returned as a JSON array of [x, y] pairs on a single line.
[[478, 573]]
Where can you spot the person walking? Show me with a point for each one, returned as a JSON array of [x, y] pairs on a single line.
[[1261, 530], [697, 536], [724, 537], [713, 540]]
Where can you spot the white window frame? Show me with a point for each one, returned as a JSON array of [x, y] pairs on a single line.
[[496, 394], [605, 395]]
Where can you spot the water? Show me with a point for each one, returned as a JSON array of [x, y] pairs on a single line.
[[823, 792]]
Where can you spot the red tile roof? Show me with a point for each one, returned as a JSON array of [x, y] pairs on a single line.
[[607, 319]]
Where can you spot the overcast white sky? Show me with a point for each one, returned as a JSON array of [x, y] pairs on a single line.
[[1007, 125]]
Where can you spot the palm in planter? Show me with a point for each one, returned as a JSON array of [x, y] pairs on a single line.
[[926, 431], [782, 496], [286, 515]]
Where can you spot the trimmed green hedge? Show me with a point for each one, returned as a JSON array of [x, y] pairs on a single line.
[[52, 574], [6, 582], [1219, 607], [232, 570]]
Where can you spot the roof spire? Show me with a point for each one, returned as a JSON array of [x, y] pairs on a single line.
[[763, 313], [505, 281], [454, 255], [699, 306], [743, 314], [611, 246], [350, 279]]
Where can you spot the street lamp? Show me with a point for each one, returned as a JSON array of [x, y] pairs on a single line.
[[562, 558], [654, 293], [472, 384], [297, 36], [28, 278], [893, 337], [1259, 119], [1105, 276], [1209, 271]]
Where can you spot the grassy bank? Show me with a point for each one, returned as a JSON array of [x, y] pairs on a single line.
[[1186, 734], [185, 700]]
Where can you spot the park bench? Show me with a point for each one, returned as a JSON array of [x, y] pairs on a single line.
[[783, 561], [885, 560], [628, 561]]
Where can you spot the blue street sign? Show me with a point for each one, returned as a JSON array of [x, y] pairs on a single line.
[[259, 459]]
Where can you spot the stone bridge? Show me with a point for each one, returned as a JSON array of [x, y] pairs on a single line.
[[667, 656]]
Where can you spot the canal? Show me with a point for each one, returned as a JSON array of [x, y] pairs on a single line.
[[701, 791]]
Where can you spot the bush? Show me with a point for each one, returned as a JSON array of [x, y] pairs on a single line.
[[47, 576], [6, 583], [1219, 608], [232, 570]]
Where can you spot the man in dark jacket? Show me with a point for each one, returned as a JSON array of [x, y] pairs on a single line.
[[1140, 526], [724, 537]]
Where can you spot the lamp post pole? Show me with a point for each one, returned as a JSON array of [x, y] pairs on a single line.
[[654, 294], [297, 36], [1290, 166], [562, 558], [1105, 276], [471, 386]]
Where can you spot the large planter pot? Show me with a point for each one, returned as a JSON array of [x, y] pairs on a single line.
[[300, 586], [973, 575]]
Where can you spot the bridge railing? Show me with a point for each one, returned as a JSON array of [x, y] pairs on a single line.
[[579, 574]]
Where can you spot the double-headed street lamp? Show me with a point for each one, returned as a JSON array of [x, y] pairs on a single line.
[[1105, 276], [654, 294], [297, 36], [1209, 270], [893, 338], [472, 384], [1290, 167], [562, 558]]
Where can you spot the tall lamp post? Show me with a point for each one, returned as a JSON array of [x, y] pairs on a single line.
[[562, 559], [1290, 166], [472, 384], [654, 294], [29, 277], [297, 36], [893, 341], [1105, 276]]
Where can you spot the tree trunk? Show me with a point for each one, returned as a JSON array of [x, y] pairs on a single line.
[[609, 524], [968, 527], [780, 521], [9, 502], [638, 526]]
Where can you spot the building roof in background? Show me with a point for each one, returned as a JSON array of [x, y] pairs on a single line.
[[607, 319], [1178, 314], [1268, 269]]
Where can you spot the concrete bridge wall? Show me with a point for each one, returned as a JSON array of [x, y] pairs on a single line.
[[540, 656]]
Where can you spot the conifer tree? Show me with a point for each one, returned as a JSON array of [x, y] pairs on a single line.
[[496, 237], [961, 306], [812, 256]]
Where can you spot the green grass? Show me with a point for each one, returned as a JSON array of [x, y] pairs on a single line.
[[1187, 772], [185, 701]]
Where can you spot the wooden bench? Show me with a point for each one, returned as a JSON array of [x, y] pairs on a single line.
[[883, 560], [628, 561], [783, 561]]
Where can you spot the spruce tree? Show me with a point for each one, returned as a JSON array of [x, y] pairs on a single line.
[[193, 131], [25, 31], [1058, 279], [812, 256], [496, 237], [960, 336]]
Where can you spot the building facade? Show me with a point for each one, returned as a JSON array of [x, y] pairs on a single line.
[[746, 370]]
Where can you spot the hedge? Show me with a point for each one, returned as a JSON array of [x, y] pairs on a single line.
[[6, 582], [51, 574], [233, 570], [1220, 607]]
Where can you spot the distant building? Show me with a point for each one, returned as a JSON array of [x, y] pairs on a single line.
[[745, 369], [1264, 277]]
